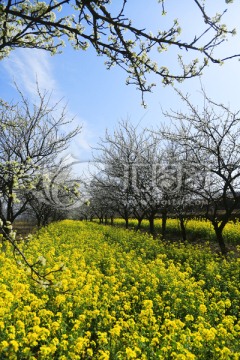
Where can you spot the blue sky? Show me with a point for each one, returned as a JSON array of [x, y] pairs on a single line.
[[99, 98]]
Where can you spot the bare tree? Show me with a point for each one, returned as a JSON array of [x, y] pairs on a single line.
[[55, 194], [32, 140], [131, 159], [148, 191], [110, 31], [100, 203], [121, 155], [211, 137]]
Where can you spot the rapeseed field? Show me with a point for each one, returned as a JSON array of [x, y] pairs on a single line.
[[117, 294], [195, 228]]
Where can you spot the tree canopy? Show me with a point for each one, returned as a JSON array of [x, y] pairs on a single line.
[[111, 32]]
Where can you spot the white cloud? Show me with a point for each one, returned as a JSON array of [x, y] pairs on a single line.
[[81, 144], [26, 66]]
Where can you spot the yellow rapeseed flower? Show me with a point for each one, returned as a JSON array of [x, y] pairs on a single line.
[[202, 308], [131, 354]]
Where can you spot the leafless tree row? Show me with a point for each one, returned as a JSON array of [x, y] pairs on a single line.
[[189, 168]]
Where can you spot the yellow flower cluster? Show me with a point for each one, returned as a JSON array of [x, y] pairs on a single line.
[[119, 295]]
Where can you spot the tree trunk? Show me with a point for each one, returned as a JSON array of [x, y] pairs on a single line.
[[112, 218], [139, 223], [6, 232], [220, 240], [10, 206], [38, 221], [126, 222], [164, 223], [151, 225], [183, 228]]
